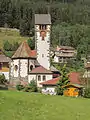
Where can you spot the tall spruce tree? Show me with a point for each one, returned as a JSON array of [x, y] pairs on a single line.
[[64, 80]]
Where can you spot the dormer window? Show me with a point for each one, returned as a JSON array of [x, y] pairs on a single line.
[[42, 27]]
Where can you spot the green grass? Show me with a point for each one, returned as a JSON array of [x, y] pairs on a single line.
[[30, 106], [11, 35]]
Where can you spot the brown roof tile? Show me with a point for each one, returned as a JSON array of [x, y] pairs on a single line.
[[24, 51], [40, 70]]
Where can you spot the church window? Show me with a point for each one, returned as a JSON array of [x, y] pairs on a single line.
[[44, 78], [39, 78], [16, 67], [42, 27], [42, 55], [31, 67]]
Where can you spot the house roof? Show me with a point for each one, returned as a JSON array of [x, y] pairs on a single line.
[[53, 69], [24, 51], [42, 19], [51, 82], [75, 85], [66, 47], [73, 77], [40, 70], [65, 54], [4, 58]]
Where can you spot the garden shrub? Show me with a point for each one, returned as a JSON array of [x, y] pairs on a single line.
[[33, 86], [26, 89], [2, 79], [19, 87], [87, 93]]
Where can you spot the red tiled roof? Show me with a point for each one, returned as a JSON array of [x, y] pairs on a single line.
[[51, 82], [73, 77], [33, 53], [24, 51], [40, 69]]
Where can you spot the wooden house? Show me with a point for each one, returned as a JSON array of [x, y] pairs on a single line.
[[4, 64], [73, 90]]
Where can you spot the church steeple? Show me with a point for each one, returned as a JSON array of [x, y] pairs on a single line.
[[42, 38]]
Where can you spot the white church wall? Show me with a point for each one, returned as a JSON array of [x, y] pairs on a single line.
[[23, 67], [31, 62], [43, 49], [11, 69], [16, 71]]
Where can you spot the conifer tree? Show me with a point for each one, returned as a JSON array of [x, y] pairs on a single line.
[[64, 80]]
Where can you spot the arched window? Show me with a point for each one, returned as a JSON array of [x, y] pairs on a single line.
[[31, 67], [39, 78], [44, 78], [16, 67]]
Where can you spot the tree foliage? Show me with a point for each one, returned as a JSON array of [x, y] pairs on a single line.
[[64, 80], [2, 79], [31, 43]]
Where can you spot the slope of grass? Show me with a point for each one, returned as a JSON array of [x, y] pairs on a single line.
[[30, 106], [11, 35]]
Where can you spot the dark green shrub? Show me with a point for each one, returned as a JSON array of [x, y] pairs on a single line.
[[7, 46], [27, 89], [31, 43], [19, 87], [33, 86], [2, 79], [40, 90], [87, 93]]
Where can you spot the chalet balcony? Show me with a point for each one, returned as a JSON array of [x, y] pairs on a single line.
[[4, 69]]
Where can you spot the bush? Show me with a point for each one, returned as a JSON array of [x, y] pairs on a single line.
[[19, 87], [7, 46], [2, 79], [33, 86], [31, 43], [27, 89], [87, 93]]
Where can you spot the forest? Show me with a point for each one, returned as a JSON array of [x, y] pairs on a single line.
[[70, 20]]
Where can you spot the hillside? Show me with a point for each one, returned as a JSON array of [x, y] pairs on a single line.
[[29, 106], [11, 35]]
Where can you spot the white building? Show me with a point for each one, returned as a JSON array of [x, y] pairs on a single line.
[[40, 74], [64, 53], [24, 65], [42, 36]]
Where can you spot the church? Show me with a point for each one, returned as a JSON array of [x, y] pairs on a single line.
[[27, 64]]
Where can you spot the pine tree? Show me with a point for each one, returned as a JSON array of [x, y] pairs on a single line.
[[64, 80]]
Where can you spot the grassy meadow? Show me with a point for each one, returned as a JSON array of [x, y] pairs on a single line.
[[11, 35], [35, 106]]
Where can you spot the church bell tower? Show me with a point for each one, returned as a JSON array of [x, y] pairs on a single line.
[[42, 39]]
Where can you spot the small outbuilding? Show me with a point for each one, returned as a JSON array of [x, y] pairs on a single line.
[[73, 90], [4, 64]]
